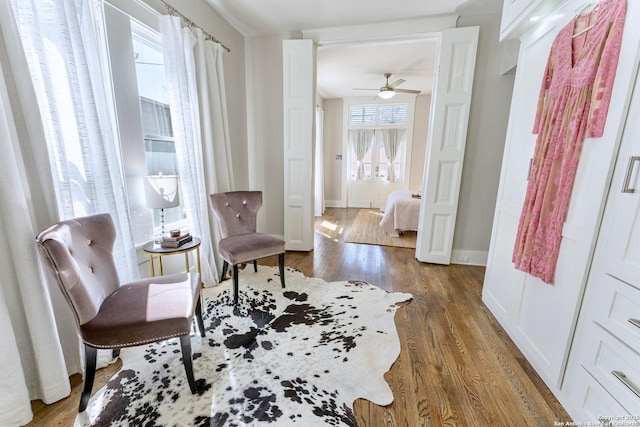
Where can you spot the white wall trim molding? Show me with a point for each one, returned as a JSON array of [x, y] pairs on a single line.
[[460, 256], [386, 31], [335, 203]]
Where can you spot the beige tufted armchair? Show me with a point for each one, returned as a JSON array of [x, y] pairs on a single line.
[[237, 213], [111, 315]]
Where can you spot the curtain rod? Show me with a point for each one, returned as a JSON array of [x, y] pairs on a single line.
[[173, 11]]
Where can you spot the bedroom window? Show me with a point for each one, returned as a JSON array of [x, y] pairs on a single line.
[[377, 141]]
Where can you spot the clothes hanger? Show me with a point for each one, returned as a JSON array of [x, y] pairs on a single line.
[[580, 11]]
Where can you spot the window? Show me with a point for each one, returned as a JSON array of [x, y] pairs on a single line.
[[159, 146], [362, 114], [378, 117], [392, 114]]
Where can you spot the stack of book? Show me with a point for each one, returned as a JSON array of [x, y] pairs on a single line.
[[175, 242]]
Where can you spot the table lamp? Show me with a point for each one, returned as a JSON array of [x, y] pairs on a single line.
[[161, 191]]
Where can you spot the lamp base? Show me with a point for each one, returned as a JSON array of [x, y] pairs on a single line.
[[158, 238]]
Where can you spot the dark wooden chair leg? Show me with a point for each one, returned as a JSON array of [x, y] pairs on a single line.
[[199, 316], [255, 265], [281, 265], [185, 344], [115, 353], [90, 356], [225, 267], [235, 284]]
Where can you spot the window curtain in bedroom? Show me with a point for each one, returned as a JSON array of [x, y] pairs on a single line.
[[361, 141], [391, 140], [59, 39], [199, 116]]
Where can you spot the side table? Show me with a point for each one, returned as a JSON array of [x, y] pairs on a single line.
[[154, 250]]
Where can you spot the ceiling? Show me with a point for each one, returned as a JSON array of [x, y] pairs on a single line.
[[342, 68]]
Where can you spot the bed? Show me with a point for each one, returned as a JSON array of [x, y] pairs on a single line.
[[401, 212]]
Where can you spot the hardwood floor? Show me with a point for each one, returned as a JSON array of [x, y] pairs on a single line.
[[457, 367]]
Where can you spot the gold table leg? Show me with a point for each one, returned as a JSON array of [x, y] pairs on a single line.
[[151, 265]]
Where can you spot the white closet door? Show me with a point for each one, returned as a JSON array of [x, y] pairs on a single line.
[[448, 137], [299, 100], [541, 318], [622, 247]]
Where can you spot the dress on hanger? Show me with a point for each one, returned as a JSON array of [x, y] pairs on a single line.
[[573, 104]]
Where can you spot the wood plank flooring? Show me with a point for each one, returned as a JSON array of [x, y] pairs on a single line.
[[457, 366]]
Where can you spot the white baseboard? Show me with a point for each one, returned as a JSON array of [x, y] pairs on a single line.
[[469, 257], [334, 204]]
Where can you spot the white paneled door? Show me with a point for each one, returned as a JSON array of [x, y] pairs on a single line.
[[447, 140], [298, 100]]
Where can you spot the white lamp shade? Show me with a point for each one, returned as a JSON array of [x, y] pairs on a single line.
[[161, 191], [387, 94]]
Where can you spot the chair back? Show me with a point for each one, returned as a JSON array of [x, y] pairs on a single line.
[[79, 254], [237, 211]]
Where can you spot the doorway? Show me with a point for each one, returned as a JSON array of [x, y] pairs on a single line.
[[450, 107]]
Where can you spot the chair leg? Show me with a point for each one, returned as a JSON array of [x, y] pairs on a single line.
[[225, 267], [235, 284], [199, 316], [115, 353], [281, 264], [90, 356], [255, 265], [185, 343]]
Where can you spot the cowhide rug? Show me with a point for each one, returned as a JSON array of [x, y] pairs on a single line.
[[299, 355]]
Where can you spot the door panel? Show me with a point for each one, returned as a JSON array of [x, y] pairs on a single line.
[[299, 100], [448, 136]]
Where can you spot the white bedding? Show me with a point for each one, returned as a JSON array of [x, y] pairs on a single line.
[[401, 213]]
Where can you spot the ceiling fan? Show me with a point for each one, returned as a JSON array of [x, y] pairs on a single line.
[[388, 91]]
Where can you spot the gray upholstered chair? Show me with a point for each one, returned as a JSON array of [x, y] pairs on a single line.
[[237, 213], [110, 314]]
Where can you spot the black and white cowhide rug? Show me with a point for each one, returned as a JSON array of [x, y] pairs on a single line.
[[299, 355]]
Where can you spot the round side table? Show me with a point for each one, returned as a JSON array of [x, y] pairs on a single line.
[[154, 250]]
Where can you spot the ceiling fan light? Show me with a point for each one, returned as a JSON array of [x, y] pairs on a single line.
[[386, 94]]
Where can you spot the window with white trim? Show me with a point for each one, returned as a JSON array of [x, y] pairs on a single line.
[[155, 115], [377, 117]]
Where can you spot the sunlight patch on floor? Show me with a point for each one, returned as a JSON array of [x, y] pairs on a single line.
[[329, 230], [330, 225]]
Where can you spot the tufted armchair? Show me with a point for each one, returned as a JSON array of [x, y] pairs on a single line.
[[111, 315], [237, 213]]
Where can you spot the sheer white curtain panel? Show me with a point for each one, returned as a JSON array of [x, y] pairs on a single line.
[[32, 361], [215, 139], [63, 54], [199, 116], [361, 141], [391, 140], [319, 164]]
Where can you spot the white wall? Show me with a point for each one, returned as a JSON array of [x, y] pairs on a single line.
[[264, 128], [485, 139], [419, 146], [333, 114]]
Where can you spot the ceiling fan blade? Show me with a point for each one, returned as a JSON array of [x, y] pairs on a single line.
[[397, 83], [407, 91]]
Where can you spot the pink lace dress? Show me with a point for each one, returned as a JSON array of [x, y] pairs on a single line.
[[573, 104]]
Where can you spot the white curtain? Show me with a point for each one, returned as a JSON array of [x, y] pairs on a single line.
[[62, 52], [361, 141], [198, 113], [391, 140], [319, 165], [32, 363]]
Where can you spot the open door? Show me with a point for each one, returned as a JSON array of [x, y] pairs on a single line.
[[446, 144], [299, 87]]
